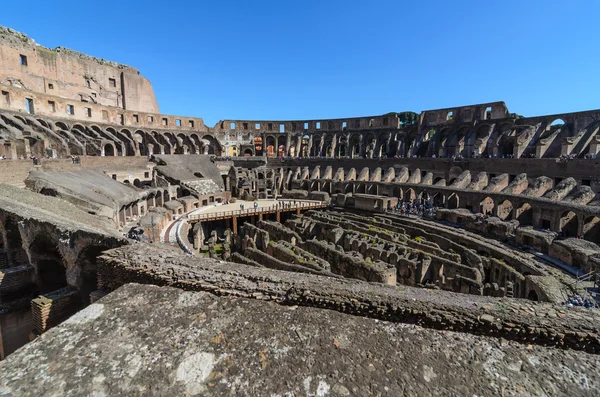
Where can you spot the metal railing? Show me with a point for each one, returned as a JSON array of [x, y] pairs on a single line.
[[285, 206]]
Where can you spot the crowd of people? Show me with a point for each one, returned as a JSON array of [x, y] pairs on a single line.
[[417, 207], [579, 301]]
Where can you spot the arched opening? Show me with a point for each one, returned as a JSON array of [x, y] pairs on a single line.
[[248, 153], [486, 206], [141, 143], [88, 276], [370, 146], [270, 146], [14, 245], [354, 145], [137, 183], [397, 192], [438, 200], [532, 295], [109, 150], [410, 194], [591, 229], [51, 273], [505, 210], [281, 144], [453, 201], [569, 224], [316, 146], [524, 214], [349, 188], [213, 146], [126, 181]]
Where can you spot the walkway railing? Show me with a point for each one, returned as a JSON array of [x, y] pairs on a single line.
[[284, 207]]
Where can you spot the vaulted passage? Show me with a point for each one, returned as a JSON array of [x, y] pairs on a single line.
[[51, 273]]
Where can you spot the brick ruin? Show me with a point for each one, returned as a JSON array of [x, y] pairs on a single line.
[[99, 190]]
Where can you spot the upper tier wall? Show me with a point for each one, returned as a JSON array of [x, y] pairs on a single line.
[[73, 75]]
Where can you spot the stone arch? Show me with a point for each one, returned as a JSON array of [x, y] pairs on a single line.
[[591, 229], [109, 149], [532, 296], [373, 189], [43, 123], [14, 244], [281, 145], [486, 206], [453, 201], [140, 139], [354, 145], [441, 139], [316, 145], [569, 224], [128, 142], [524, 214], [213, 146], [48, 263], [397, 192], [370, 145], [505, 210], [166, 143], [409, 194], [87, 281], [271, 143], [349, 188], [61, 125], [438, 199]]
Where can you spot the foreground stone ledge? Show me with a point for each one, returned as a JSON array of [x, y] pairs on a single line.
[[154, 341], [515, 319]]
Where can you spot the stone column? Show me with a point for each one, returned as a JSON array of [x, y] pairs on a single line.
[[288, 143]]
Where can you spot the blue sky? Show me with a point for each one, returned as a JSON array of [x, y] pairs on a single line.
[[336, 58]]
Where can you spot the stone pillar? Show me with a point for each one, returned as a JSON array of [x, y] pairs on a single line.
[[298, 146], [361, 146], [288, 143], [235, 228]]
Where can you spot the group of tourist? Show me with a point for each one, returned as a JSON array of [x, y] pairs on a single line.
[[579, 301], [417, 207]]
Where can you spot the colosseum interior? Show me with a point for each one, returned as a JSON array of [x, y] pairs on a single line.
[[397, 254]]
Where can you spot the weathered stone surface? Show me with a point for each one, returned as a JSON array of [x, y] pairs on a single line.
[[441, 310], [153, 341]]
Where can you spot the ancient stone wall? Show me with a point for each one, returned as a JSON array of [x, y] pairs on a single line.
[[69, 74]]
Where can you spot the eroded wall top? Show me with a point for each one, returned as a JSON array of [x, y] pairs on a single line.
[[70, 74]]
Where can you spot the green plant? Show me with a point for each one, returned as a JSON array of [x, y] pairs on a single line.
[[418, 239]]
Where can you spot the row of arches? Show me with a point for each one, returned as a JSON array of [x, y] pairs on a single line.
[[44, 253], [566, 222]]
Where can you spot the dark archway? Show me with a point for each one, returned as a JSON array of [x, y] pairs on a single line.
[[15, 252], [51, 272], [109, 150], [569, 224], [532, 295], [591, 229], [87, 263], [453, 201]]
